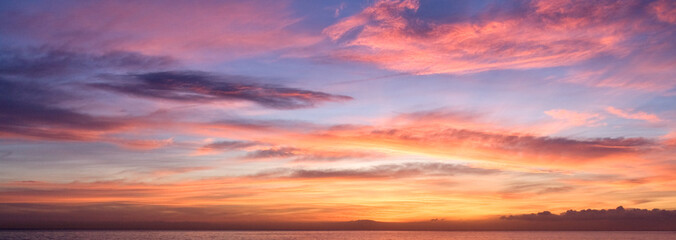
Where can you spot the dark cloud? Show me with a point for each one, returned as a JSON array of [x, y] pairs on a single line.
[[272, 153], [34, 94], [39, 86], [53, 62], [382, 171], [617, 214], [31, 109], [330, 156], [229, 145], [305, 155], [204, 87]]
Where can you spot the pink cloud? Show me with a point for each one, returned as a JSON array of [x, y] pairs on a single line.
[[665, 10], [554, 33], [576, 118], [635, 115], [177, 28]]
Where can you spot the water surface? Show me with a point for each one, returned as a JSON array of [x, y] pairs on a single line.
[[317, 235]]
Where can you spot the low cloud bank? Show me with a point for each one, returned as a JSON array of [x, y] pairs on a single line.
[[619, 219]]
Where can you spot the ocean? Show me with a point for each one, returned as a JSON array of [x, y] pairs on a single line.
[[330, 235]]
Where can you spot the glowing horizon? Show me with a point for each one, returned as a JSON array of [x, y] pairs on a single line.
[[392, 111]]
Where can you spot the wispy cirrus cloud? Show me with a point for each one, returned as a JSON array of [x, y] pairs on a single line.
[[205, 31], [635, 115], [576, 118]]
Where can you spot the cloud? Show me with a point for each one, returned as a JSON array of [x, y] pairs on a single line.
[[543, 34], [267, 124], [637, 115], [54, 62], [113, 213], [602, 43], [176, 171], [382, 171], [230, 145], [45, 94], [40, 97], [665, 10], [443, 134], [30, 109], [140, 144], [575, 118], [129, 216], [487, 145], [226, 146], [311, 155], [204, 87], [521, 190], [272, 153], [441, 116], [618, 214], [208, 30], [649, 70]]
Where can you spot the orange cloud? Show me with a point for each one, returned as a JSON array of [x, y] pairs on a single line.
[[388, 192], [463, 136]]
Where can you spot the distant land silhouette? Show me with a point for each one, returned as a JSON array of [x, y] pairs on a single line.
[[619, 219]]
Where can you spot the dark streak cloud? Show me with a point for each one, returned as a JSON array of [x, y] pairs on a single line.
[[268, 125], [382, 171], [521, 190], [192, 86], [229, 145], [306, 155], [53, 62], [272, 153]]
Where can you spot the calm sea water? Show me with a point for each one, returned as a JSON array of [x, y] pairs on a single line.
[[317, 235]]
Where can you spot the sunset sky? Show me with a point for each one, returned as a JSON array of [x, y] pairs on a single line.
[[335, 110]]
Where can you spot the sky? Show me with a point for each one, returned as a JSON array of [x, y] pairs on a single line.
[[391, 111]]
